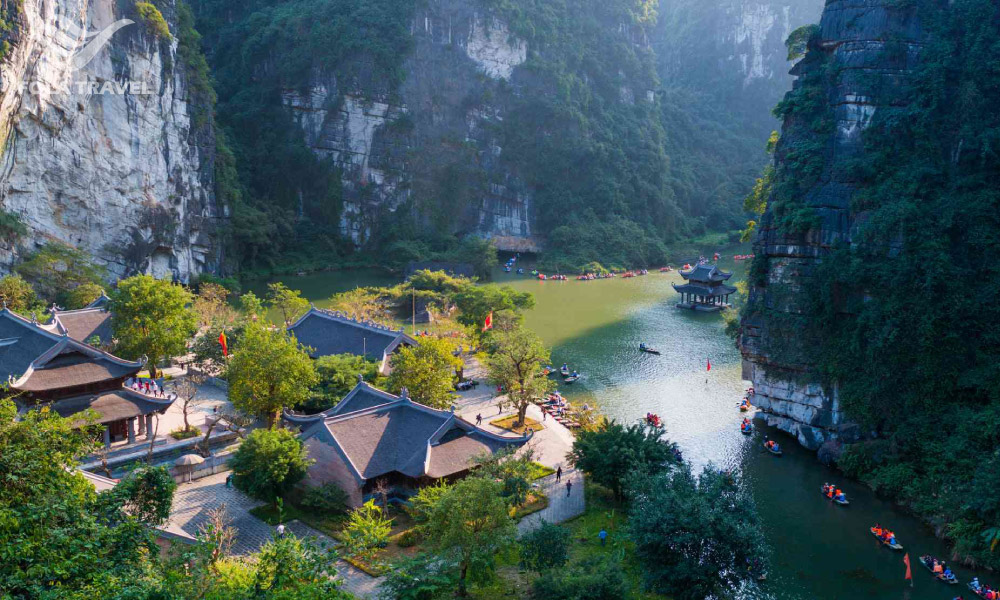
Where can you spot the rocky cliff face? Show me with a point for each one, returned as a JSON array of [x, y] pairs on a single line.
[[439, 126], [464, 68], [865, 50], [103, 151]]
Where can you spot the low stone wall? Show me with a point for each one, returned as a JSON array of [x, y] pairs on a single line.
[[211, 466]]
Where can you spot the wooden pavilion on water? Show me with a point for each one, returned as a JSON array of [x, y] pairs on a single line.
[[705, 289]]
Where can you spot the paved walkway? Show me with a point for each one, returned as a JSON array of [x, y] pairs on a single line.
[[356, 581], [562, 506]]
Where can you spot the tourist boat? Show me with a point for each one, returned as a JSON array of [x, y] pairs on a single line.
[[896, 546], [564, 371], [843, 502], [746, 430], [571, 379], [981, 592], [928, 561], [648, 349], [777, 452], [745, 407]]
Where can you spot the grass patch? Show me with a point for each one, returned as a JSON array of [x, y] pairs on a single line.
[[269, 513], [508, 424], [538, 470], [183, 434], [536, 501]]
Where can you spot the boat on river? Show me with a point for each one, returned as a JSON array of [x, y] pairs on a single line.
[[564, 371], [648, 349], [571, 379], [981, 591], [896, 546], [928, 561], [744, 407], [746, 429], [834, 499], [776, 450]]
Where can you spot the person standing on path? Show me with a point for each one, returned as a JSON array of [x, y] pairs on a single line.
[[603, 535], [479, 420], [559, 474], [569, 487]]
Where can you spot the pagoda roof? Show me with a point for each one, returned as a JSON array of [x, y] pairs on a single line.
[[328, 332], [38, 359], [111, 406], [85, 323], [376, 433], [708, 291], [703, 273]]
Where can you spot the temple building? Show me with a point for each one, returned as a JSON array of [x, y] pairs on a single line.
[[46, 368], [328, 332], [90, 325], [372, 436], [705, 289]]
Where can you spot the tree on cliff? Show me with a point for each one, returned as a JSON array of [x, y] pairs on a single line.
[[270, 371], [151, 317], [515, 361], [17, 294]]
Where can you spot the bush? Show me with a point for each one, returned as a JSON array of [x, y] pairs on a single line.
[[546, 547], [269, 463], [409, 538], [325, 498], [182, 434], [594, 578], [366, 531], [153, 18]]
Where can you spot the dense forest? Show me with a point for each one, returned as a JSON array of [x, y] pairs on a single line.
[[903, 318], [621, 125]]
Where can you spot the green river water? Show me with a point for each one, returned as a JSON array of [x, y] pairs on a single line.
[[818, 550]]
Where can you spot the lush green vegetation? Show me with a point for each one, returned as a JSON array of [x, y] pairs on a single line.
[[618, 163], [151, 318], [916, 365], [288, 200], [59, 539], [269, 463]]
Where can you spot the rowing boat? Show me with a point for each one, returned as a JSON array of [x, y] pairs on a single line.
[[833, 499], [571, 379], [777, 452], [928, 562], [895, 546]]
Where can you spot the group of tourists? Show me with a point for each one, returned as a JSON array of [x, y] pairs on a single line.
[[150, 387], [772, 446], [653, 420], [885, 535], [983, 591], [833, 492], [746, 426], [940, 570]]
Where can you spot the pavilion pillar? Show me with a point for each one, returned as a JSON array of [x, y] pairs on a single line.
[[107, 436], [142, 426], [149, 426], [131, 430]]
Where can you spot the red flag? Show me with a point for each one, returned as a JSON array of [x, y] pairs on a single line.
[[225, 347], [906, 560], [709, 365], [489, 322]]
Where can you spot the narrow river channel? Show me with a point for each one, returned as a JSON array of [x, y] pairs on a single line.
[[819, 550]]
